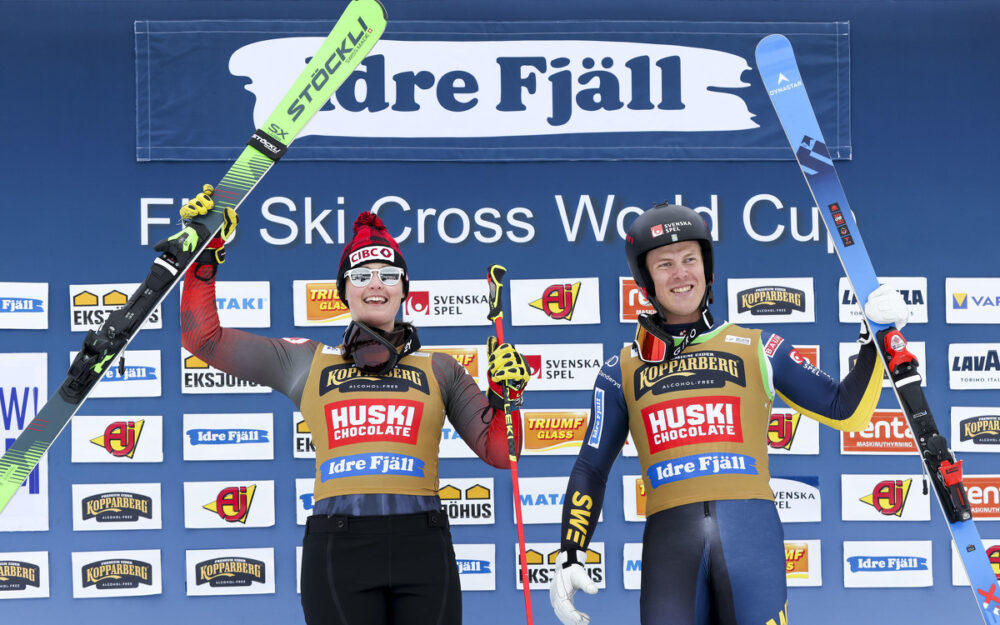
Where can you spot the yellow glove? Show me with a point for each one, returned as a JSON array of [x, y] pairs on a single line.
[[200, 205], [507, 367]]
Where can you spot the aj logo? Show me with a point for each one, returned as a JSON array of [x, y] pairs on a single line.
[[119, 438], [781, 429], [233, 504], [558, 301], [889, 496]]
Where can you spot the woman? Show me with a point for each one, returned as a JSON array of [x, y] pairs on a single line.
[[377, 548]]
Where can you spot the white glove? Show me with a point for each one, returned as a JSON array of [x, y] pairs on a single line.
[[567, 581], [885, 305]]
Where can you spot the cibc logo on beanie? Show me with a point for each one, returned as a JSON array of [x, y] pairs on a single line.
[[371, 243]]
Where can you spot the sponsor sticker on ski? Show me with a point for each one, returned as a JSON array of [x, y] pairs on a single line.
[[468, 501], [229, 571], [243, 436], [771, 300], [797, 499], [541, 559], [24, 305], [446, 303], [913, 289], [888, 564], [477, 565]]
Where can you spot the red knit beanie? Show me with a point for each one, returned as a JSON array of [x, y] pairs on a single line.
[[371, 243]]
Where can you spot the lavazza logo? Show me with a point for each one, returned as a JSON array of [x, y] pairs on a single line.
[[503, 88], [974, 365]]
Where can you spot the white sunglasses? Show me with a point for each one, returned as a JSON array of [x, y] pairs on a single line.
[[361, 276]]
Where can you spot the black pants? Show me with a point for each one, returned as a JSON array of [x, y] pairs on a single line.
[[383, 570]]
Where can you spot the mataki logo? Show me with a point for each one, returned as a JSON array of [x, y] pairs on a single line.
[[796, 560], [696, 370], [771, 300], [631, 301], [92, 304], [16, 575], [887, 433], [355, 421], [118, 573], [692, 421], [984, 495], [230, 571], [323, 303], [120, 438], [546, 430], [781, 428], [232, 504], [117, 507], [558, 300], [468, 501], [889, 496]]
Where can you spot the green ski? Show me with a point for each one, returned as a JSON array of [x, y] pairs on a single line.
[[351, 39]]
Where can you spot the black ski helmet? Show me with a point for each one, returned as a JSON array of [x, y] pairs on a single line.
[[661, 225]]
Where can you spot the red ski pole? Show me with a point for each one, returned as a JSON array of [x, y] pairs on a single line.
[[494, 276]]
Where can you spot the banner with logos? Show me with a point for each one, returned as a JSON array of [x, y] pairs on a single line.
[[484, 90]]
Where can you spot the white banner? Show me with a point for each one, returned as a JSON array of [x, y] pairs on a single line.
[[90, 305], [245, 436], [126, 439], [884, 498], [477, 566], [913, 290], [229, 571], [972, 300], [117, 507], [244, 304], [235, 503], [756, 301], [888, 564], [447, 303], [98, 574], [24, 305], [555, 301]]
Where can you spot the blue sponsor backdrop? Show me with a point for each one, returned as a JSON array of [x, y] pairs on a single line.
[[81, 209]]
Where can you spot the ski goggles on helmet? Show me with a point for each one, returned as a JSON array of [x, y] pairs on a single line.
[[650, 347], [361, 276], [371, 352]]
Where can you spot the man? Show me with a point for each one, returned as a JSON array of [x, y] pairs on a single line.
[[697, 399]]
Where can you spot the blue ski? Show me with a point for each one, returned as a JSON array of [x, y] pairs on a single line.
[[780, 73]]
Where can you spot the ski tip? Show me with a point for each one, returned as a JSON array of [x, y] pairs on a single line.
[[771, 42]]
